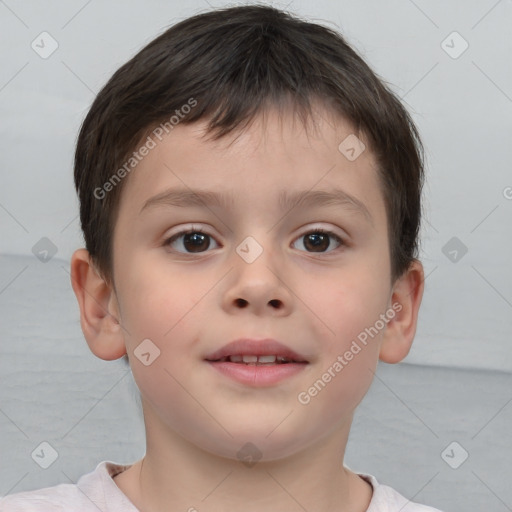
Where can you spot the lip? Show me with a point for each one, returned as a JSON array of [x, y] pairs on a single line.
[[253, 374], [247, 346], [257, 376]]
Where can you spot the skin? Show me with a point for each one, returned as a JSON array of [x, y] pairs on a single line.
[[316, 301]]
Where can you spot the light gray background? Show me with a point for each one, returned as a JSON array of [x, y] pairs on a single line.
[[456, 383]]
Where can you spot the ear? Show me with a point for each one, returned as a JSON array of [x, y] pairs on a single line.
[[405, 302], [99, 309]]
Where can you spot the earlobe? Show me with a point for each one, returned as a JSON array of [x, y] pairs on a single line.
[[99, 311], [405, 301]]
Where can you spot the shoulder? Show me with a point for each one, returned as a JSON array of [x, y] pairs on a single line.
[[387, 499], [94, 492], [50, 499]]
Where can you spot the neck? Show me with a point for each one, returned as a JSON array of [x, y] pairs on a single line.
[[177, 475]]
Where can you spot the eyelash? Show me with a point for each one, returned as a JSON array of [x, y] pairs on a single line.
[[323, 231]]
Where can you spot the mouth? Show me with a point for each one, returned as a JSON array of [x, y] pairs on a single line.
[[257, 352], [263, 360], [257, 363]]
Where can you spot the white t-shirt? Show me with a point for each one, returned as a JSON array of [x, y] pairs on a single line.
[[97, 491]]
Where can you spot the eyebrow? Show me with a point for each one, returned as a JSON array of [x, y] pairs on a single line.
[[184, 197]]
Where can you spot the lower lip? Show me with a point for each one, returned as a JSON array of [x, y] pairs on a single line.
[[258, 375]]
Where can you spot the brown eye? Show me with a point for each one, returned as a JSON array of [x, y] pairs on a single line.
[[192, 241], [195, 241], [319, 240]]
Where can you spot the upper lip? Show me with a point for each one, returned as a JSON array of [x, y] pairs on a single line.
[[253, 347]]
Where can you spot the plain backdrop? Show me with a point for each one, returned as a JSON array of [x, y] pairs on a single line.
[[449, 62]]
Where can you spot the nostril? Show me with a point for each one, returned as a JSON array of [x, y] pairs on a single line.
[[241, 302]]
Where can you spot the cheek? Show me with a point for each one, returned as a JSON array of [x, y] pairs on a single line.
[[349, 308], [337, 392], [168, 308], [158, 298], [347, 303]]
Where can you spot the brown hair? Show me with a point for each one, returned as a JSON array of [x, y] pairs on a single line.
[[233, 63]]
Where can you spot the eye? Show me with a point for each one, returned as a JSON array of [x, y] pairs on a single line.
[[318, 239], [196, 241], [193, 241]]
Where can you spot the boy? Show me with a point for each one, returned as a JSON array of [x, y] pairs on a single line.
[[269, 144]]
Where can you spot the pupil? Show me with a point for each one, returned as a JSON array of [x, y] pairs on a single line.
[[196, 238], [319, 240]]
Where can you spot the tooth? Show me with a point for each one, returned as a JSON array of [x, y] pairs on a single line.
[[235, 359], [266, 359], [250, 359], [282, 359]]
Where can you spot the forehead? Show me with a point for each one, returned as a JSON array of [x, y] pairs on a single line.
[[276, 158]]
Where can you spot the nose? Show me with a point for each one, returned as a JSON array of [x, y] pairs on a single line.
[[274, 303], [259, 286]]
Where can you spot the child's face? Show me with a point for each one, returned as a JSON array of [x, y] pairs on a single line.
[[192, 297]]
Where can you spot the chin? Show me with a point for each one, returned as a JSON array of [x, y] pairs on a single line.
[[255, 445]]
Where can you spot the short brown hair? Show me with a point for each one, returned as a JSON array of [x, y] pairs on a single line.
[[234, 62]]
